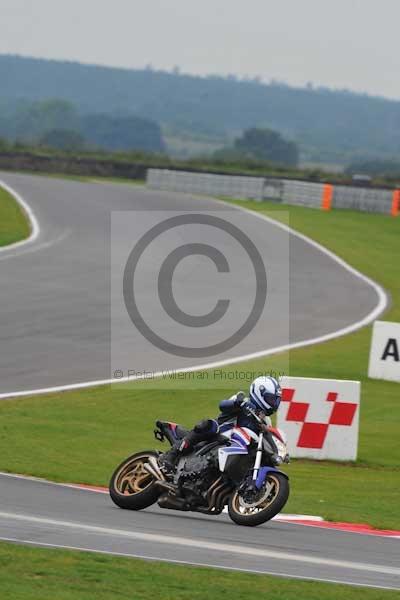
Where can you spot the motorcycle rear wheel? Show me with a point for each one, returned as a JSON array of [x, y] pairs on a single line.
[[131, 487], [271, 504]]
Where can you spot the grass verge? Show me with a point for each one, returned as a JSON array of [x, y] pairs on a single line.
[[31, 573], [84, 178], [81, 435], [14, 225]]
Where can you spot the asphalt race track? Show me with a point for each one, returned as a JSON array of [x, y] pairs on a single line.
[[55, 292], [55, 331], [48, 514]]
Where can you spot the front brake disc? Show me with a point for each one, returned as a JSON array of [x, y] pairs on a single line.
[[262, 495]]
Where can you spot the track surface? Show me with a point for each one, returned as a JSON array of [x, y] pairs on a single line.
[[55, 295], [43, 513], [54, 316]]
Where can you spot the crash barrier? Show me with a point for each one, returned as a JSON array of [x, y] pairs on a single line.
[[206, 183], [396, 203], [384, 358], [363, 199], [320, 417], [288, 191]]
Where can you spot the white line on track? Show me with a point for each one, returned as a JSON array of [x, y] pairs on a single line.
[[33, 222], [369, 318], [380, 307], [289, 519], [36, 248], [204, 545], [196, 564], [99, 490]]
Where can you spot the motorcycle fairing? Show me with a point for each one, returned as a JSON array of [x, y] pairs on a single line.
[[240, 438]]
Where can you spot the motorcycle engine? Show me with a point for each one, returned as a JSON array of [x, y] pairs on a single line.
[[196, 474]]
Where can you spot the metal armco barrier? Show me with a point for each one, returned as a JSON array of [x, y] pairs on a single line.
[[288, 191]]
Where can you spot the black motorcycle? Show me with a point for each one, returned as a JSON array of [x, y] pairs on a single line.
[[238, 470]]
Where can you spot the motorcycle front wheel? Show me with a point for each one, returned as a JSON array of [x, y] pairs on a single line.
[[268, 503], [131, 487]]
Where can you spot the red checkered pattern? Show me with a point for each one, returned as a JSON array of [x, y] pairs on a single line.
[[313, 435]]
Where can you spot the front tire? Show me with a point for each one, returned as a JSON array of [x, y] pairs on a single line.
[[131, 487], [273, 499]]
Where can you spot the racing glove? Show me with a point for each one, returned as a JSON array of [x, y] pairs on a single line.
[[243, 403]]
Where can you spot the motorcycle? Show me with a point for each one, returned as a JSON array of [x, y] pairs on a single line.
[[237, 469]]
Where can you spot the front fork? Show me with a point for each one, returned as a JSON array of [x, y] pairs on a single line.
[[257, 462]]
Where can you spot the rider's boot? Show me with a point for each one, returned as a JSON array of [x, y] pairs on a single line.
[[170, 459]]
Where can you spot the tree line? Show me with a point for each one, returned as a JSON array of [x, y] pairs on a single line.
[[334, 126], [57, 124]]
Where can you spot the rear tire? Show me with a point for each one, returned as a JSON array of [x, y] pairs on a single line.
[[271, 505], [130, 486]]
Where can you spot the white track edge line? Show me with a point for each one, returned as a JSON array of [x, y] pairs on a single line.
[[33, 222], [239, 549], [281, 517], [379, 308], [194, 564]]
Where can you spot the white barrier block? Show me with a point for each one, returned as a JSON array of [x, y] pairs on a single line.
[[320, 417], [384, 358], [206, 183]]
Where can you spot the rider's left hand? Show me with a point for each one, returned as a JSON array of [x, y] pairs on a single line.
[[246, 407]]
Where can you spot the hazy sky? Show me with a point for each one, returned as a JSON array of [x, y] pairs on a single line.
[[338, 43]]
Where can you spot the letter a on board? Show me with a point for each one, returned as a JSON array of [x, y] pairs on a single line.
[[392, 350]]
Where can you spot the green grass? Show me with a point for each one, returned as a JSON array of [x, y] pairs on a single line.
[[14, 225], [81, 435], [123, 180], [369, 242], [84, 178], [92, 178], [33, 573]]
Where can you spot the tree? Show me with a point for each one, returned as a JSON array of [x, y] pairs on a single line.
[[35, 120], [375, 167], [63, 139], [269, 145], [122, 133]]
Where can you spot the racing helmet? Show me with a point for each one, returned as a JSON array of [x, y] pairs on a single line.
[[265, 394]]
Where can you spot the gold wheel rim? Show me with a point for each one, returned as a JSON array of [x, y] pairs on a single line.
[[132, 478], [253, 510]]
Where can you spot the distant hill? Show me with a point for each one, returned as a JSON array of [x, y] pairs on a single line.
[[330, 126]]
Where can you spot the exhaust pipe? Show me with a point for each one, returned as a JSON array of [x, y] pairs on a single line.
[[154, 470], [154, 466], [172, 502]]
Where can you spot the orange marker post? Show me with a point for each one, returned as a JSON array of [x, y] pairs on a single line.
[[327, 197], [396, 204]]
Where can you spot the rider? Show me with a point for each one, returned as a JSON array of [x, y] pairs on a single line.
[[265, 395]]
